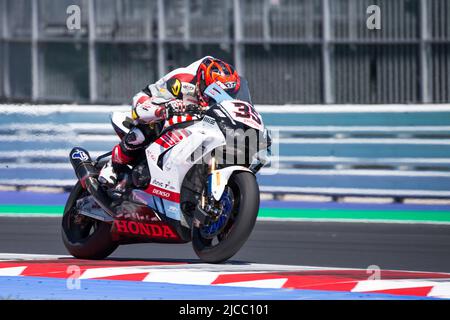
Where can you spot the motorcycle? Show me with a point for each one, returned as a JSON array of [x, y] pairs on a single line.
[[181, 190]]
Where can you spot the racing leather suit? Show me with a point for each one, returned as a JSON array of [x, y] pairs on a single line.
[[176, 89]]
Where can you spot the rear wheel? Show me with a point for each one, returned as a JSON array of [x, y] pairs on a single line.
[[84, 237], [216, 244]]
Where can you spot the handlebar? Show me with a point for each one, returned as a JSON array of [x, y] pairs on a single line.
[[191, 109]]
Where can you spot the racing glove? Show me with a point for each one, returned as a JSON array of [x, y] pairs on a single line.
[[174, 107], [147, 109]]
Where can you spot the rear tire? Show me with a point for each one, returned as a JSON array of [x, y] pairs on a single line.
[[97, 244], [245, 210]]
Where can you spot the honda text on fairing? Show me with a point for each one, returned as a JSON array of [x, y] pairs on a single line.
[[196, 183]]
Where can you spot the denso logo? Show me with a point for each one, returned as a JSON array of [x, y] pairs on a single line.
[[161, 193], [151, 230]]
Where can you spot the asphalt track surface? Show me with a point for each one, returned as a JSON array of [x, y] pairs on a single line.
[[417, 247]]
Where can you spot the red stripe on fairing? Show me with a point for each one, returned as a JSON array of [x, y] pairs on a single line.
[[177, 135], [174, 137], [163, 193], [167, 139], [160, 142]]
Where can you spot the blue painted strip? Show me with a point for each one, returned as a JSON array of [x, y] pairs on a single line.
[[52, 288], [33, 198]]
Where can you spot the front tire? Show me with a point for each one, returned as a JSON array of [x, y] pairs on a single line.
[[244, 212], [85, 238]]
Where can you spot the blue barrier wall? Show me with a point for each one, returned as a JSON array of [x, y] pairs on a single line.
[[396, 150]]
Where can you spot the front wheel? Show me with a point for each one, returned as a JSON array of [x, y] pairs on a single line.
[[85, 238], [242, 193]]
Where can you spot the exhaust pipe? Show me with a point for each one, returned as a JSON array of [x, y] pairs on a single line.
[[87, 175]]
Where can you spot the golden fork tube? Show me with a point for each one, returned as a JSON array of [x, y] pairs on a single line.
[[212, 165], [212, 168]]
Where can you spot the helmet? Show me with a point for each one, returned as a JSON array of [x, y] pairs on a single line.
[[215, 70]]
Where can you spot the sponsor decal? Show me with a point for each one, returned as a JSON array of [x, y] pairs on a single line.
[[158, 183], [164, 185], [252, 123], [210, 121], [230, 85], [151, 155], [80, 155], [187, 88], [151, 230], [175, 88], [162, 193], [226, 85]]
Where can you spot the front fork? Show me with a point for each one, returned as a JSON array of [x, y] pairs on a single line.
[[211, 202], [208, 203], [208, 209], [209, 180]]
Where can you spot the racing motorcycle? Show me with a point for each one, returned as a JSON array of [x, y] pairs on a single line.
[[181, 190]]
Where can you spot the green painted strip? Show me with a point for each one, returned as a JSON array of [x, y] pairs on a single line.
[[284, 213], [31, 210], [438, 216]]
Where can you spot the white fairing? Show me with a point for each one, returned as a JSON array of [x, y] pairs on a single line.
[[219, 179], [166, 182]]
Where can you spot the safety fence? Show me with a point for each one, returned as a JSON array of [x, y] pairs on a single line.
[[291, 51], [397, 151]]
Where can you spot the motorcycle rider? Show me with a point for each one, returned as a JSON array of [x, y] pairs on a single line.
[[166, 100]]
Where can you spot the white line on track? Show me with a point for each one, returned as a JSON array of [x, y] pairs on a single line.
[[31, 256]]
